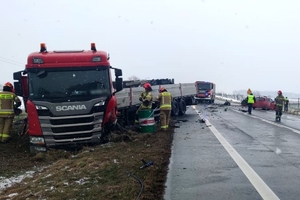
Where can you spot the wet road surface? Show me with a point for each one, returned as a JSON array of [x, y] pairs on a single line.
[[234, 156]]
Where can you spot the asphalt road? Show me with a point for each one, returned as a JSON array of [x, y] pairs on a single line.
[[234, 156]]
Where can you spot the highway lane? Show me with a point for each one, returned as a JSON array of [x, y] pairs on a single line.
[[204, 167], [292, 121], [200, 168]]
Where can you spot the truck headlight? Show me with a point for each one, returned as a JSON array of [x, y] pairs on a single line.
[[41, 107], [37, 140], [101, 103]]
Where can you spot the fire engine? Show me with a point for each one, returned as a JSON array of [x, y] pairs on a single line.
[[205, 91]]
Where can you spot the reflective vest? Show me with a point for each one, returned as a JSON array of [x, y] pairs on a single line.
[[146, 98], [165, 99], [250, 99], [7, 103], [286, 101]]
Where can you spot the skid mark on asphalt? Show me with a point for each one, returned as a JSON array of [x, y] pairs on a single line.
[[268, 121], [261, 187]]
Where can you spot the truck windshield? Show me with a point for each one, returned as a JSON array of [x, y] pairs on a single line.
[[204, 86], [71, 84]]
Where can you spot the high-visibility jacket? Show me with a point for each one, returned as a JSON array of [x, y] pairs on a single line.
[[165, 99], [279, 100], [250, 99], [146, 98], [286, 100], [7, 100]]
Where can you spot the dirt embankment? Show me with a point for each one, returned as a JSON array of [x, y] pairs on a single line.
[[109, 171]]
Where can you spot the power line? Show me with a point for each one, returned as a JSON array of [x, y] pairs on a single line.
[[10, 60]]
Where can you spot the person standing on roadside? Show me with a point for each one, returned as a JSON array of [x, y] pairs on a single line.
[[250, 101], [286, 104], [165, 100], [146, 98], [9, 102], [279, 101]]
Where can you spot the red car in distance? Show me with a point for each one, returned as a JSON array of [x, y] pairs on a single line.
[[264, 103], [272, 104]]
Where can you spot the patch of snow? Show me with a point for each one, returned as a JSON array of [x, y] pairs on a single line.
[[228, 99], [48, 176], [51, 188], [13, 195], [7, 182]]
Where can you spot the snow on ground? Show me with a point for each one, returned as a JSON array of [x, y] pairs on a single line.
[[228, 99], [7, 182]]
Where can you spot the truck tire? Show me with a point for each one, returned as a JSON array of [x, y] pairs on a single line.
[[175, 108], [182, 107]]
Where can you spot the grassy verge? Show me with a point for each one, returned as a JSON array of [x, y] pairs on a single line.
[[108, 171]]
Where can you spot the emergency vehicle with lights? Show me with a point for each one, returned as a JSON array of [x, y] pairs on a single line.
[[205, 91], [71, 99]]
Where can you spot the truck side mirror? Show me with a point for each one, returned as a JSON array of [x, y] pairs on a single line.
[[18, 89], [118, 72], [18, 75], [119, 84], [18, 85]]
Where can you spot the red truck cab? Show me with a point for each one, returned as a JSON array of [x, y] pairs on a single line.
[[205, 91], [69, 97]]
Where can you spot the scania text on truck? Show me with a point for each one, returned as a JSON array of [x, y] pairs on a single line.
[[206, 91]]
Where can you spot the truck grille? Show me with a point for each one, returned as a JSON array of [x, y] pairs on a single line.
[[72, 129], [71, 121], [64, 129], [70, 137]]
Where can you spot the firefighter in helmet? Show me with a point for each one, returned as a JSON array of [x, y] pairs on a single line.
[[9, 102], [279, 101], [146, 98], [165, 100]]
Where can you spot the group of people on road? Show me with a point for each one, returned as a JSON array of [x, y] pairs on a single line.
[[165, 103], [280, 103], [9, 103]]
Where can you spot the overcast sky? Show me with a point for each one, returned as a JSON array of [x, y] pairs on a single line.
[[236, 44]]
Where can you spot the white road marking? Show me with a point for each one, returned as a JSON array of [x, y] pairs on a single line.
[[261, 187], [270, 122]]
